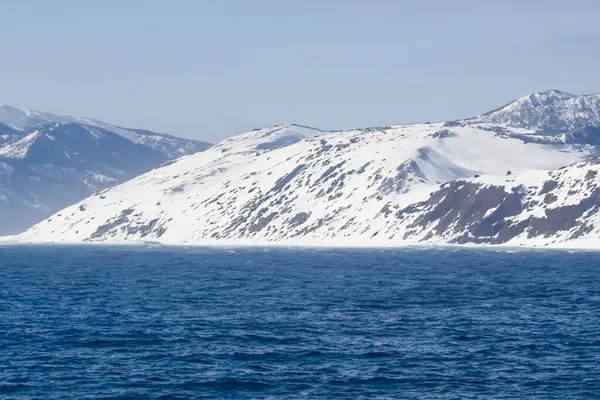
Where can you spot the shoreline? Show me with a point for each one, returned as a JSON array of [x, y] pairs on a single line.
[[311, 244]]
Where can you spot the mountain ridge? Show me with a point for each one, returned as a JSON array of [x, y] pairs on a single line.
[[475, 181]]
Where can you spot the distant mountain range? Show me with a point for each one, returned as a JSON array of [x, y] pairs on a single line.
[[524, 174], [49, 161]]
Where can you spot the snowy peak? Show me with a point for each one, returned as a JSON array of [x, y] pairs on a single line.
[[171, 147], [24, 120], [540, 99], [548, 97], [269, 138], [277, 131], [549, 112]]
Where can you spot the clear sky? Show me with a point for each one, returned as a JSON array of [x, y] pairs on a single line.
[[208, 69]]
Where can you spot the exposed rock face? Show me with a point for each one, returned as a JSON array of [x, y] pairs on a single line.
[[557, 210]]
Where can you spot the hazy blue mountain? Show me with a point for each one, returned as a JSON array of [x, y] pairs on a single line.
[[48, 162]]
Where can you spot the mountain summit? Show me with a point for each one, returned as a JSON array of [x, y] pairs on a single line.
[[552, 111]]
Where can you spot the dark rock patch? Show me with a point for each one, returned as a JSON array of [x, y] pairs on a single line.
[[112, 223], [261, 223], [548, 187], [177, 189], [407, 172], [563, 218], [298, 219], [591, 174], [143, 229], [443, 134], [284, 180]]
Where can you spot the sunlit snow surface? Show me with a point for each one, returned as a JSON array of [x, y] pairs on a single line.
[[524, 174], [355, 188]]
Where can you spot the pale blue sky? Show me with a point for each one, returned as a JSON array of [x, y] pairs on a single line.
[[211, 69]]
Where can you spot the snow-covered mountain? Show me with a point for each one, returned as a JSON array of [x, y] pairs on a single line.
[[474, 181], [550, 112], [27, 121], [48, 161]]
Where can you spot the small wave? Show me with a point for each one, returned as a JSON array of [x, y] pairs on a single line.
[[8, 388], [376, 354], [376, 380], [267, 356], [312, 353], [466, 338], [117, 343], [228, 384], [271, 339], [196, 360]]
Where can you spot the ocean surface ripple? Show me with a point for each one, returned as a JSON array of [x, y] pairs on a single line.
[[177, 323]]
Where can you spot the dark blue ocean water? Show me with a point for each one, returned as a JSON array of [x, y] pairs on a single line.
[[124, 323]]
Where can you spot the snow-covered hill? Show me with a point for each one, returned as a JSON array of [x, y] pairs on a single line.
[[48, 161], [344, 187], [472, 181]]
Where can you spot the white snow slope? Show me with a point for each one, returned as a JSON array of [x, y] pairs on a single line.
[[462, 182], [341, 188]]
